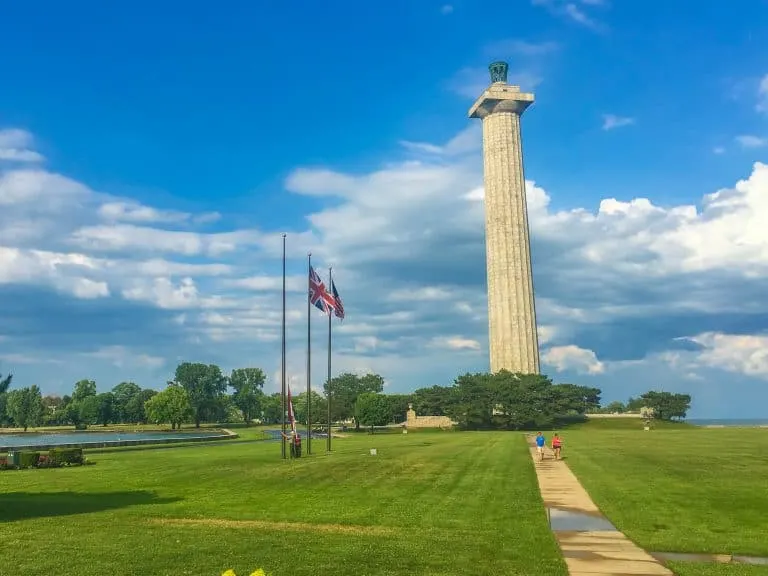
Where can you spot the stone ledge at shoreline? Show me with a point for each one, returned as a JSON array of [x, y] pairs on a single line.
[[225, 435]]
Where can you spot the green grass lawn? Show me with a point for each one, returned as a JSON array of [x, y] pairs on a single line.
[[677, 488], [428, 504]]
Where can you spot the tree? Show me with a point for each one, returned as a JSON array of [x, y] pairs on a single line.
[[635, 404], [5, 383], [398, 406], [272, 409], [666, 405], [472, 402], [575, 399], [345, 389], [372, 409], [318, 407], [83, 389], [171, 405], [205, 384], [134, 409], [432, 401], [248, 384], [123, 394], [25, 407], [615, 407], [105, 412], [525, 401], [84, 412]]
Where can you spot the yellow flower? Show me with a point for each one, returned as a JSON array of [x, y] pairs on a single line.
[[259, 572], [229, 573]]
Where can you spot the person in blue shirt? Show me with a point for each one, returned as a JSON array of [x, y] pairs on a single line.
[[540, 443]]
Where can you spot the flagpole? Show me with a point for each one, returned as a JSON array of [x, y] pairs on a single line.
[[282, 438], [330, 312], [309, 358]]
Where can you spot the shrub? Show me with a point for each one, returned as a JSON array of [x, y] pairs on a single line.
[[28, 459], [61, 456]]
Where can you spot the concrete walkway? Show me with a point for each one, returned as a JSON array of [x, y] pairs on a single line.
[[590, 544]]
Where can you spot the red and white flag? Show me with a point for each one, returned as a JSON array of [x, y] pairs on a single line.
[[291, 417]]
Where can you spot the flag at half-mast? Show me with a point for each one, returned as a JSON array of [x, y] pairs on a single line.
[[318, 294], [291, 417], [338, 306]]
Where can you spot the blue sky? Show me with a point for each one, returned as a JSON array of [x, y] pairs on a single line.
[[151, 157]]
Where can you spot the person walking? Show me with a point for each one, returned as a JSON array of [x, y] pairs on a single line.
[[557, 444], [540, 443]]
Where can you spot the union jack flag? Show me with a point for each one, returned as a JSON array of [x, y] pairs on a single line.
[[318, 295], [338, 307]]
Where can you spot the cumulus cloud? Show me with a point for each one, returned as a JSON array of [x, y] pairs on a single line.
[[16, 146], [571, 357], [751, 141]]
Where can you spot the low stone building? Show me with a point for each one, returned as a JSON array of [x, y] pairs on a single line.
[[413, 421]]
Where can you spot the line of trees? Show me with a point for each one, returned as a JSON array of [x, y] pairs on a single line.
[[660, 405], [202, 393]]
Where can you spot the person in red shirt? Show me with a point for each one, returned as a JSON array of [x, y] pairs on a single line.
[[557, 444]]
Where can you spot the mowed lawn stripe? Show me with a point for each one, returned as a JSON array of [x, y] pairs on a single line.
[[435, 504], [678, 490]]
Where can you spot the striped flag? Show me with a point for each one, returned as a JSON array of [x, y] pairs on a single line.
[[291, 417]]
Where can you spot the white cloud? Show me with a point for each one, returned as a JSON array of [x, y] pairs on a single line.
[[407, 245], [15, 146], [446, 9], [135, 212], [611, 121], [570, 11], [750, 141], [718, 150], [762, 95], [121, 357], [455, 343], [746, 354], [571, 357]]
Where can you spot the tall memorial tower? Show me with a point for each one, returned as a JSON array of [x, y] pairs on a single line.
[[514, 344]]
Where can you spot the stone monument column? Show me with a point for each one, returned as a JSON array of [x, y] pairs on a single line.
[[512, 337]]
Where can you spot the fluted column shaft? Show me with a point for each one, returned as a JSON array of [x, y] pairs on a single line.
[[511, 310]]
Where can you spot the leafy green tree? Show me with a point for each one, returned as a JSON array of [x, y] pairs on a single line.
[[615, 407], [667, 405], [5, 383], [372, 409], [171, 405], [123, 393], [635, 404], [25, 407], [318, 407], [434, 401], [205, 384], [398, 406], [83, 389], [271, 409], [524, 401], [345, 389], [134, 409], [575, 399], [248, 384], [84, 412], [105, 412], [473, 401]]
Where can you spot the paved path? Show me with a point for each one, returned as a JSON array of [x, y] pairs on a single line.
[[590, 545]]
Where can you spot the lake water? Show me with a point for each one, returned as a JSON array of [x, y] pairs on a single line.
[[728, 421], [85, 438]]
